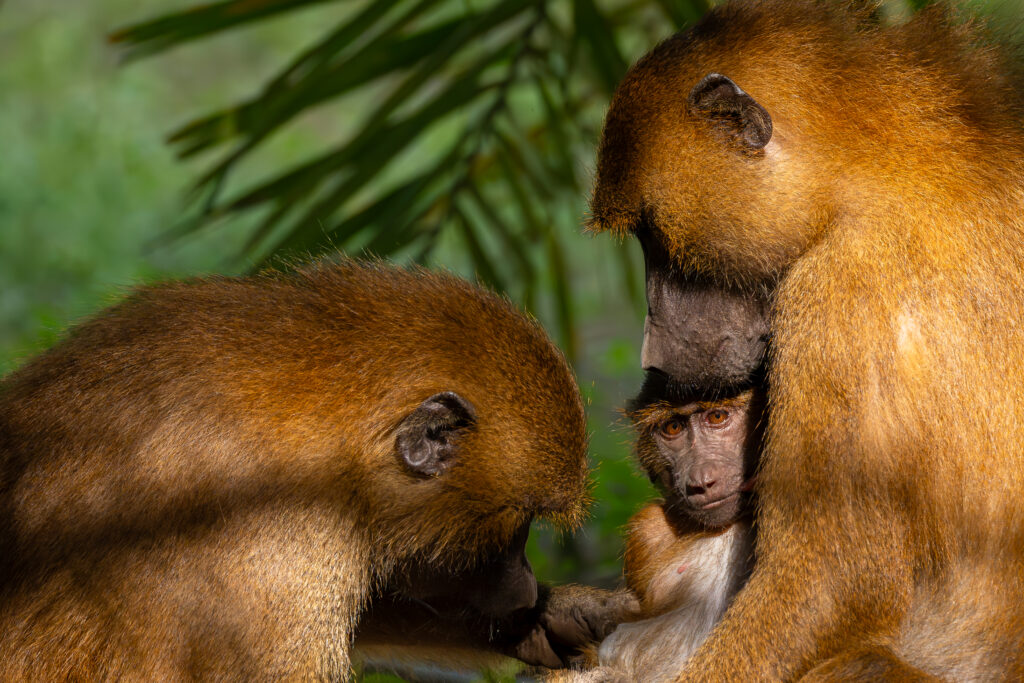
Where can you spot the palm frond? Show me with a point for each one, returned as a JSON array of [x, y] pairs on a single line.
[[518, 86], [165, 32]]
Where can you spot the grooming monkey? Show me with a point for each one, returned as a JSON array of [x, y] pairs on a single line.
[[797, 170], [214, 479], [687, 556]]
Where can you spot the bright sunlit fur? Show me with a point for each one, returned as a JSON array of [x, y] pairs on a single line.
[[888, 215], [685, 582], [684, 577], [201, 482]]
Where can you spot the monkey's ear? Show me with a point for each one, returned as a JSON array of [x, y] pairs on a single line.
[[426, 440], [717, 99]]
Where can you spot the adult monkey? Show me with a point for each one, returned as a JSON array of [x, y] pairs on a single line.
[[212, 479], [856, 190]]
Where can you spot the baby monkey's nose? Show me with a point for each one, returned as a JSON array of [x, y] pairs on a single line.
[[701, 480]]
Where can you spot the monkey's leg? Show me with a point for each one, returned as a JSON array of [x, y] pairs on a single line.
[[876, 663]]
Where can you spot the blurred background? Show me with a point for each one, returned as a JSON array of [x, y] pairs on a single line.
[[153, 139]]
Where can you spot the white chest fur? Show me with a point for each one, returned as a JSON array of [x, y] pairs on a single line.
[[691, 594]]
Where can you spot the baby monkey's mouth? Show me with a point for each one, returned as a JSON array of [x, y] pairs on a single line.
[[709, 497], [719, 502], [716, 511]]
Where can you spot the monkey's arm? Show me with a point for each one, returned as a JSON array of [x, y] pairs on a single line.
[[565, 620], [575, 616], [394, 628], [805, 607]]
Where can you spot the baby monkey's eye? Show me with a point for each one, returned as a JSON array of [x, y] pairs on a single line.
[[671, 428], [716, 417]]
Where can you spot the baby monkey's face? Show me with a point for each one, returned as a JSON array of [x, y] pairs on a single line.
[[702, 454]]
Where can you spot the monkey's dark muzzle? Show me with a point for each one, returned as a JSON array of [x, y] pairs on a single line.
[[700, 337]]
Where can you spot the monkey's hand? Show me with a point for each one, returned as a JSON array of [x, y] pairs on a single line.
[[575, 616], [566, 624], [535, 649]]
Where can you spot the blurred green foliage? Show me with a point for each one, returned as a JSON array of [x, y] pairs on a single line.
[[459, 133]]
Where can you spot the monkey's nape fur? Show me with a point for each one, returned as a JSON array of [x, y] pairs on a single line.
[[204, 481], [891, 109], [879, 217]]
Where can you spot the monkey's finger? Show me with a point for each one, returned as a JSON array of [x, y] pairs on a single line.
[[535, 650], [577, 615]]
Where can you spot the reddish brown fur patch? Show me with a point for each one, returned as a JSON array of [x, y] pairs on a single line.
[[653, 541]]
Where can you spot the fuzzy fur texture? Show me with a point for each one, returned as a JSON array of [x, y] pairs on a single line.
[[885, 218], [685, 579], [201, 481]]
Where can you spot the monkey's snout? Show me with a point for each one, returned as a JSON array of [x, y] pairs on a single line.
[[511, 587], [712, 491], [702, 484]]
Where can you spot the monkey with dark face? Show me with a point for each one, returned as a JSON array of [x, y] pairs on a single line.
[[843, 193], [216, 479], [687, 556]]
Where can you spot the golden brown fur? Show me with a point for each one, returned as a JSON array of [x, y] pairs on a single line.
[[885, 217], [201, 482], [683, 577]]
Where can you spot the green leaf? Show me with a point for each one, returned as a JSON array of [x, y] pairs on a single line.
[[378, 677], [631, 277], [298, 89], [390, 211], [312, 174], [296, 184], [593, 29], [155, 36], [212, 128], [282, 207], [563, 297], [527, 204], [514, 243], [684, 12], [556, 128], [390, 238], [521, 154], [215, 176], [481, 261], [371, 153]]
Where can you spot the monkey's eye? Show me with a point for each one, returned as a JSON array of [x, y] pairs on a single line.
[[716, 417], [671, 428]]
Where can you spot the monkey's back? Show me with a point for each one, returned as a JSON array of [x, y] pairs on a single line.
[[207, 466], [885, 218]]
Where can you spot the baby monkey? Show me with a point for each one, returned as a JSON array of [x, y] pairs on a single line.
[[687, 556]]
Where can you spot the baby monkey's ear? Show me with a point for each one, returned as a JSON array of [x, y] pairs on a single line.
[[427, 439], [717, 99]]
